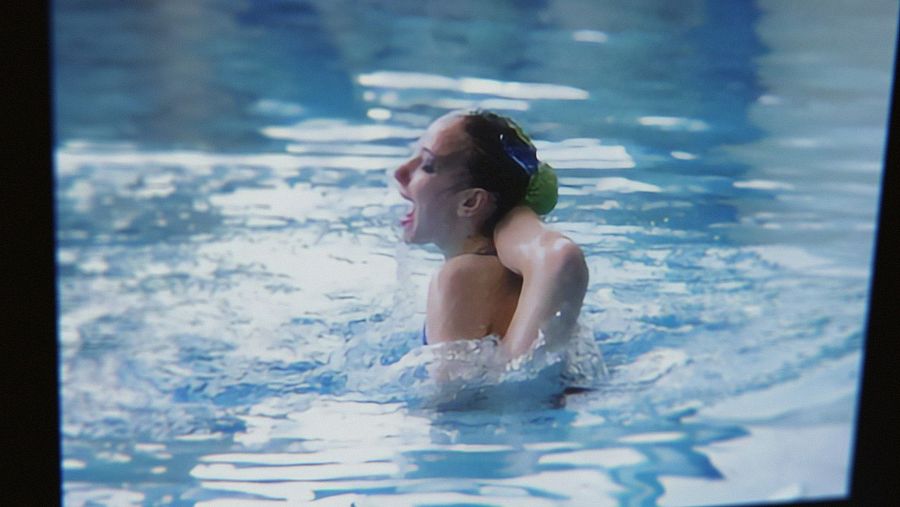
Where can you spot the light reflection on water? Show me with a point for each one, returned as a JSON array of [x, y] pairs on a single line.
[[239, 321]]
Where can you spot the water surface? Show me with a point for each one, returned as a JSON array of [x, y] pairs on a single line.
[[239, 321]]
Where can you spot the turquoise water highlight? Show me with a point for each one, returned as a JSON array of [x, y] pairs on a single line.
[[239, 321]]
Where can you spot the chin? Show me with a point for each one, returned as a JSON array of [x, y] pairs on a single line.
[[410, 238]]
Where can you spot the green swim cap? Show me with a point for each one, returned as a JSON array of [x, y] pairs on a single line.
[[543, 190]]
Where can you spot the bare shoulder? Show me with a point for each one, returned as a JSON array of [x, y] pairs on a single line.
[[469, 271], [469, 264], [471, 296]]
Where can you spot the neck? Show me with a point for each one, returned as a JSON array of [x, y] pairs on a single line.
[[472, 244]]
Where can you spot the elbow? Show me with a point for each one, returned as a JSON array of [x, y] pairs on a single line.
[[566, 261], [570, 271]]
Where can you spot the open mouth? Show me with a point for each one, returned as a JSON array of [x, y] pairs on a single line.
[[408, 218]]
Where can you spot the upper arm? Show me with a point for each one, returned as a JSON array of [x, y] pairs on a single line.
[[516, 237], [527, 247]]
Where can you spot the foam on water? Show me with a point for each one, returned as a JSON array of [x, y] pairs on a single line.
[[475, 374]]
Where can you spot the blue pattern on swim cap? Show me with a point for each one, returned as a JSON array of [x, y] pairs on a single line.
[[522, 153]]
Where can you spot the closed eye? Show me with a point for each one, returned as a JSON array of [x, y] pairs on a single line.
[[428, 161]]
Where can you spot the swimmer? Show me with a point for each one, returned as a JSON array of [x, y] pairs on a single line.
[[477, 189]]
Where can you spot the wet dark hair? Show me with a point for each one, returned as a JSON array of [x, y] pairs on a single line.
[[491, 163]]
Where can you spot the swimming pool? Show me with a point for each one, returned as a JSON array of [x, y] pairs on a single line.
[[238, 320]]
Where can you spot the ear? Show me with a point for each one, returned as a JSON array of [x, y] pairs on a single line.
[[474, 201]]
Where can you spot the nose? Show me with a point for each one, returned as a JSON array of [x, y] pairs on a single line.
[[402, 173]]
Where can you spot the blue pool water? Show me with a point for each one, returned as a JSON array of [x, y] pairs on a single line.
[[239, 321]]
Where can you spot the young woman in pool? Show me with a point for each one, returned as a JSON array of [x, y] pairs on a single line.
[[477, 187]]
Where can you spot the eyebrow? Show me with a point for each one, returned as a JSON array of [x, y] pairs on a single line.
[[436, 157], [416, 146]]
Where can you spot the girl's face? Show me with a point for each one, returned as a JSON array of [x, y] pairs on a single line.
[[433, 180]]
